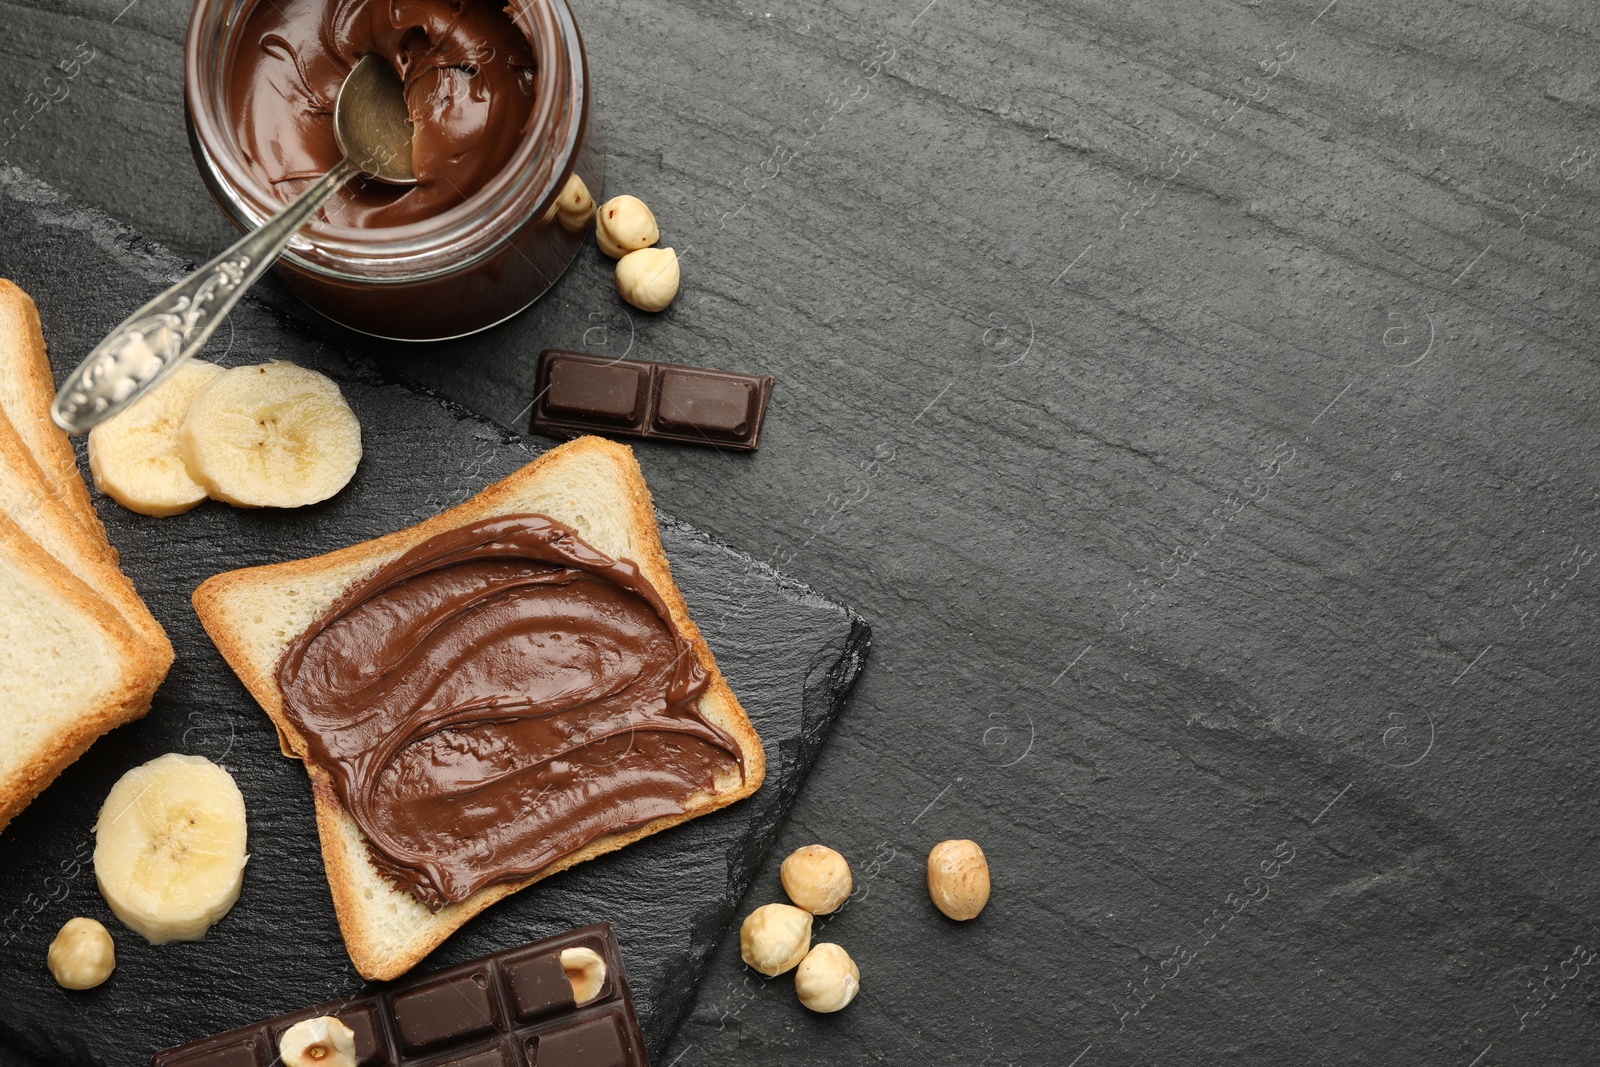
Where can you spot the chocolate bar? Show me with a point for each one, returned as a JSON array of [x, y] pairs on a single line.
[[512, 1009], [579, 394]]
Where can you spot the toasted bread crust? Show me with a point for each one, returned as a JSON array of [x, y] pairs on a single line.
[[100, 568], [27, 364], [349, 882], [126, 700]]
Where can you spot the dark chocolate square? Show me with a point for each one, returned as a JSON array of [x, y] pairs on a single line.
[[595, 1043], [539, 987], [581, 394], [493, 1056], [712, 404], [452, 1010], [371, 1048], [244, 1053], [616, 391]]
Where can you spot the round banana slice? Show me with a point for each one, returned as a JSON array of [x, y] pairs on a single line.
[[134, 456], [169, 849], [274, 435]]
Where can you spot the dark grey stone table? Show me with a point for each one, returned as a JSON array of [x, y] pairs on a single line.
[[1198, 398]]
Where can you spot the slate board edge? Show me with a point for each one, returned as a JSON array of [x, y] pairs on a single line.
[[745, 859], [160, 263], [828, 684]]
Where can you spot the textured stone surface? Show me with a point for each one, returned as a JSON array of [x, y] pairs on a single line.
[[1399, 221], [789, 655]]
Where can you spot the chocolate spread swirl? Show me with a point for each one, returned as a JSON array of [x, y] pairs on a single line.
[[469, 74], [497, 698]]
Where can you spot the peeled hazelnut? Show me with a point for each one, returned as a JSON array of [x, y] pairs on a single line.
[[827, 979], [774, 938], [586, 970], [648, 278], [320, 1042], [625, 225], [574, 207], [82, 955], [958, 879], [816, 878]]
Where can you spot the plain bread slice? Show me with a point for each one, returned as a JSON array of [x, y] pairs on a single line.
[[27, 390], [70, 667], [27, 500]]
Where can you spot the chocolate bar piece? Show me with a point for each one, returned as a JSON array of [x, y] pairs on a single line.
[[579, 394], [512, 1009]]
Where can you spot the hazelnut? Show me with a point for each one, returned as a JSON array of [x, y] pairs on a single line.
[[774, 938], [586, 970], [82, 955], [320, 1042], [958, 879], [625, 225], [816, 878], [648, 278], [827, 978], [574, 207]]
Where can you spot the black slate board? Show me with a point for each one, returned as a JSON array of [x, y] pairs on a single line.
[[790, 656]]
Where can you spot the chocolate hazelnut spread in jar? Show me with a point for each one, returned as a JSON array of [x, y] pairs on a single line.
[[507, 158]]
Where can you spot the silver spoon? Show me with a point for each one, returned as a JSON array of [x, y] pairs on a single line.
[[371, 125]]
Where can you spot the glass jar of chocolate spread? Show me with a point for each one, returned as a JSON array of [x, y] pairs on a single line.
[[501, 110]]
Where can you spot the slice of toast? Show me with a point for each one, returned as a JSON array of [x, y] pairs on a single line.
[[26, 393], [70, 668], [26, 499], [592, 485]]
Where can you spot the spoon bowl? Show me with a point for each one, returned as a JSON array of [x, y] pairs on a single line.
[[372, 123]]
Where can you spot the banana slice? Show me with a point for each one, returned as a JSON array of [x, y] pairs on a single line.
[[169, 847], [274, 435], [134, 457]]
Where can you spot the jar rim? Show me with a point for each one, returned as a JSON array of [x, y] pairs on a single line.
[[452, 240]]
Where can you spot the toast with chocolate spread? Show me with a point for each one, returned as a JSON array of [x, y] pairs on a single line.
[[493, 695]]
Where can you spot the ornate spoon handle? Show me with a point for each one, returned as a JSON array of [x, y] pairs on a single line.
[[155, 340]]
